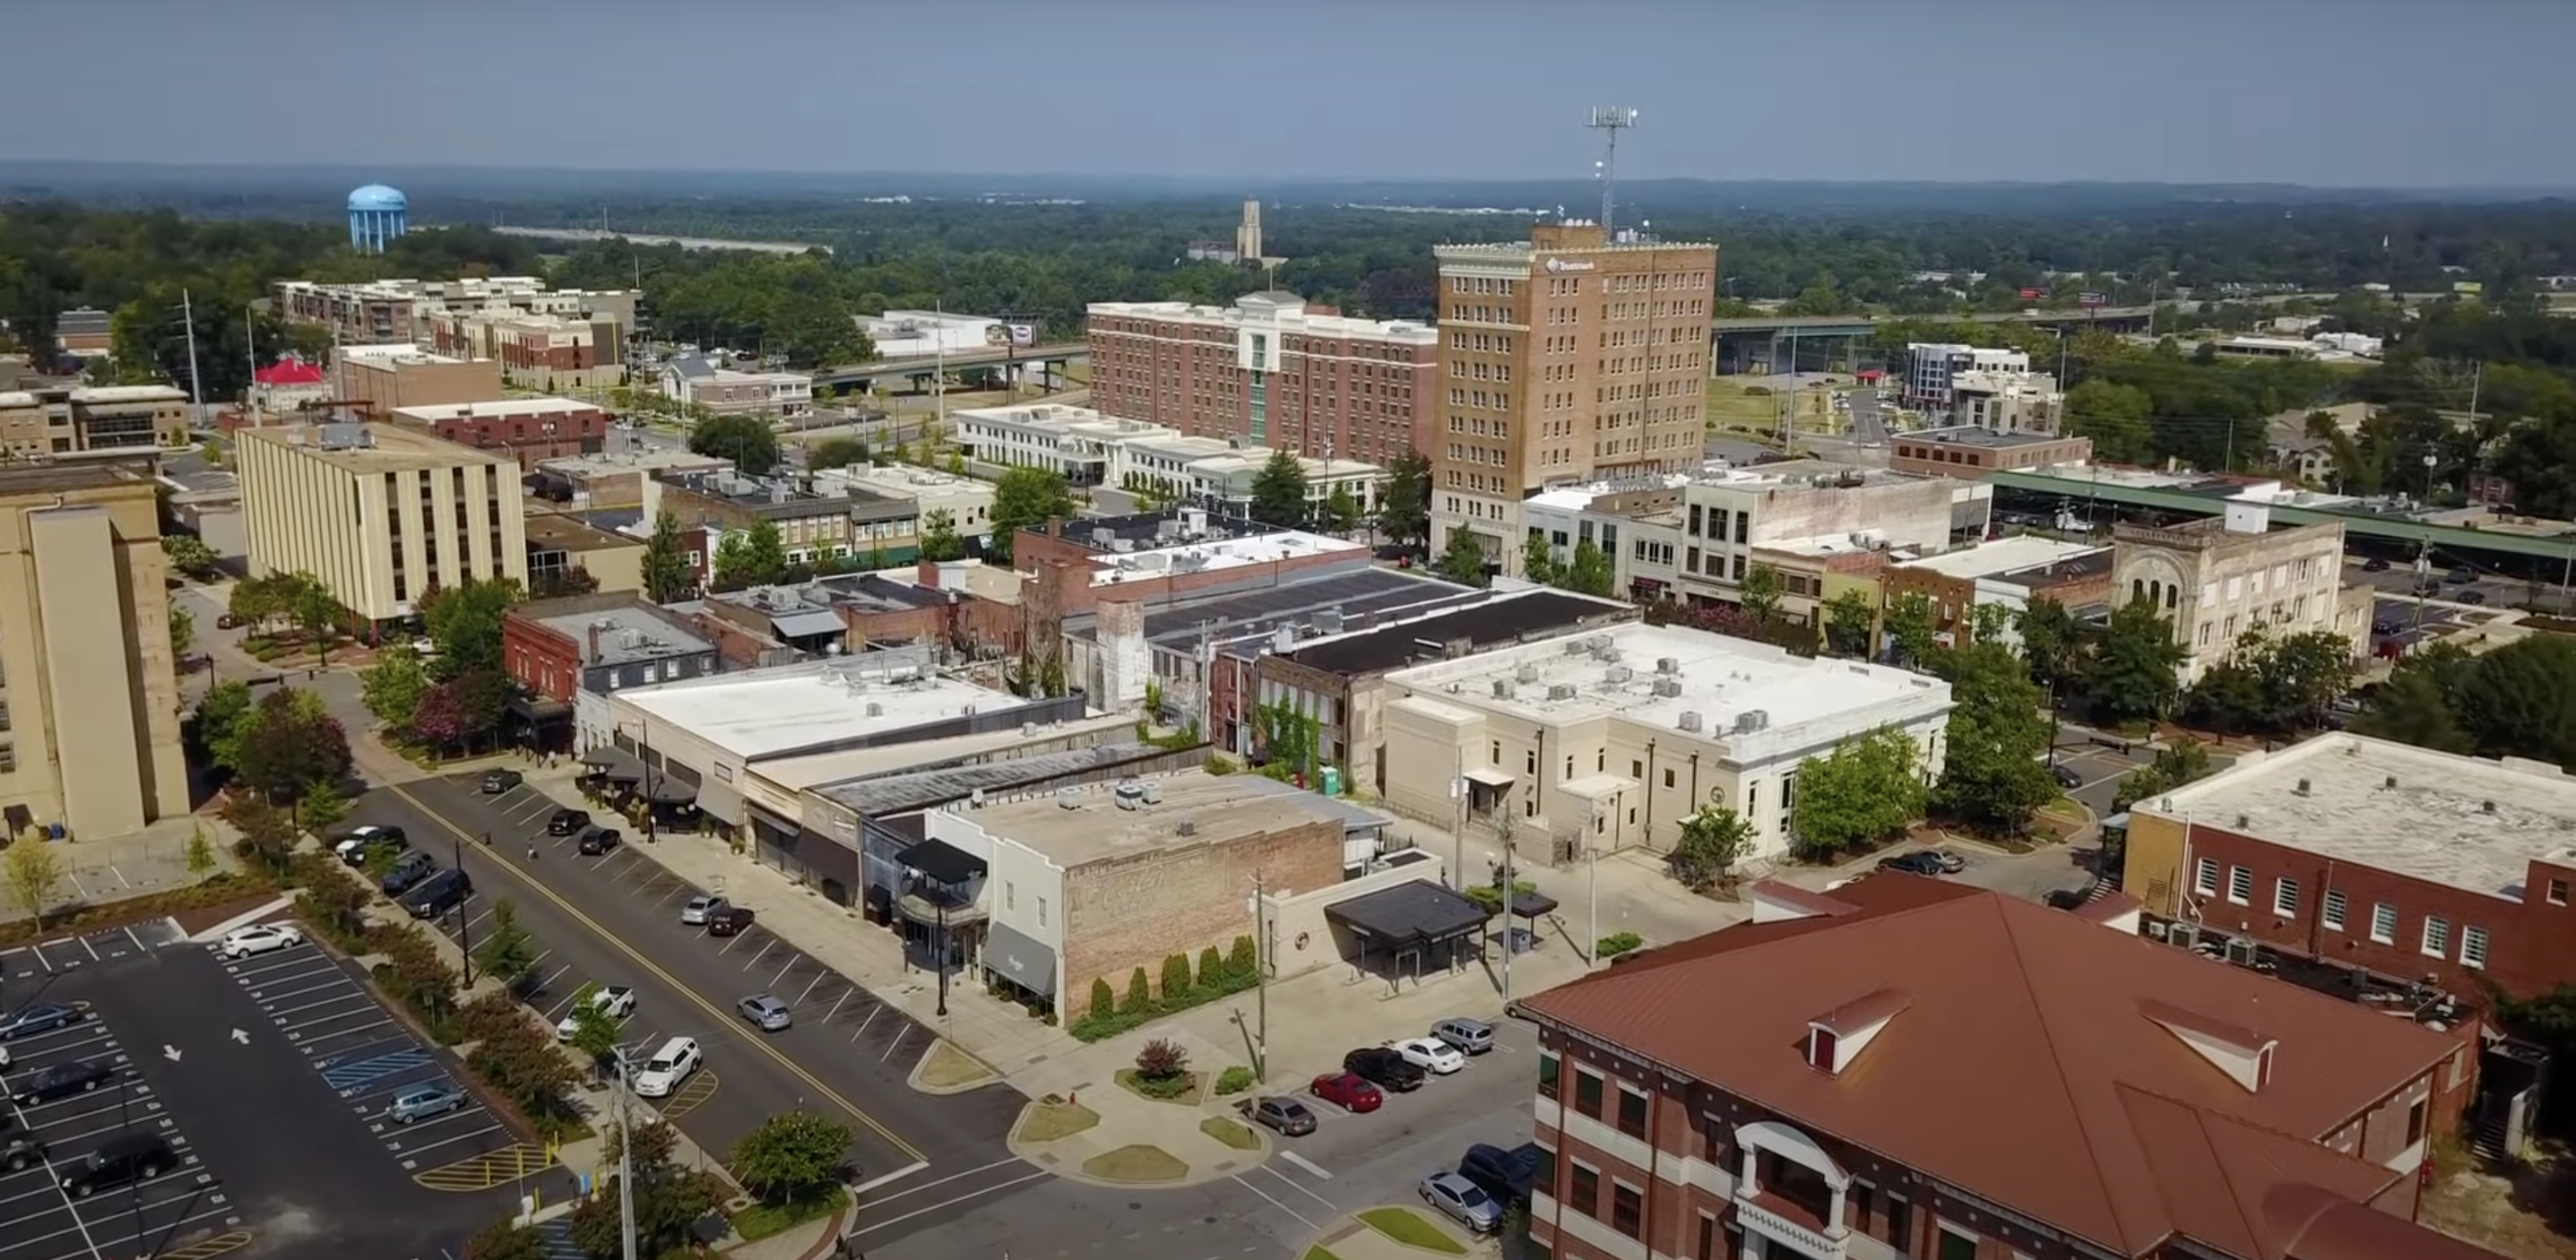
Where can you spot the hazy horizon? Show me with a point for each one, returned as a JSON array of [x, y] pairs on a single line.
[[2192, 92]]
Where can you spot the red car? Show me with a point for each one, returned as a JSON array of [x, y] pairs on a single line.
[[1346, 1091]]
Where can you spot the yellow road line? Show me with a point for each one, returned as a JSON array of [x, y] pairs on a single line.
[[721, 1017], [691, 1096], [220, 1244], [491, 1168]]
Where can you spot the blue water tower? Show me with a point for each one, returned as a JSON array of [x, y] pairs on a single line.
[[377, 214]]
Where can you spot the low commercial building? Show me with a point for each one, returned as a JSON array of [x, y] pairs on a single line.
[[2007, 574], [2376, 856], [1932, 369], [557, 649], [615, 479], [819, 521], [2024, 1083], [2217, 578], [1157, 556], [85, 332], [1614, 739], [1970, 453], [56, 422], [1219, 473], [536, 351], [2007, 402], [89, 703], [967, 500], [1078, 443], [287, 386], [400, 311], [928, 334], [563, 548], [529, 429], [381, 513], [695, 381], [381, 380]]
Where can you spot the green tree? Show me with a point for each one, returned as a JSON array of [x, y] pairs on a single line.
[[1590, 572], [1463, 560], [2136, 664], [183, 630], [202, 863], [595, 1032], [255, 601], [34, 872], [322, 805], [318, 613], [939, 540], [464, 623], [669, 1200], [392, 687], [836, 452], [1279, 492], [1026, 498], [506, 1240], [791, 1155], [286, 743], [1538, 560], [2411, 709], [1341, 513], [2520, 700], [1404, 504], [1712, 842], [507, 951], [668, 576], [1866, 789], [1761, 592], [2052, 643], [748, 441], [2186, 760], [751, 557], [1909, 627], [220, 714], [1848, 618], [189, 555], [2115, 417], [1992, 775]]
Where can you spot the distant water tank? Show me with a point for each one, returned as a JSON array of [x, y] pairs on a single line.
[[377, 215]]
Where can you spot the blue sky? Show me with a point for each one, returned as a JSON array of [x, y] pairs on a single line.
[[2331, 92]]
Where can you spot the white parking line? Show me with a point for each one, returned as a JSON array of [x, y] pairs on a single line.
[[899, 1035], [461, 1137], [873, 1200], [311, 963], [120, 875], [809, 989], [836, 1006], [782, 972], [873, 1012], [370, 1009], [41, 960], [1300, 1187], [341, 983], [78, 1225], [971, 1194], [129, 934], [764, 952], [1305, 1163], [313, 1005], [296, 1034], [737, 940], [84, 944], [1301, 1219]]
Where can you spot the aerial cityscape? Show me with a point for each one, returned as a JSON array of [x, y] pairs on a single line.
[[846, 666]]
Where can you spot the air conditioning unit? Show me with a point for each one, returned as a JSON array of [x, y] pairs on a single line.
[[1668, 665], [1561, 691], [1502, 689], [1576, 647], [2240, 950], [1617, 674], [1691, 722], [1526, 672], [1668, 687], [2184, 935], [2155, 931]]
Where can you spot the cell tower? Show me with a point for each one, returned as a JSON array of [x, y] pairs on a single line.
[[1609, 120]]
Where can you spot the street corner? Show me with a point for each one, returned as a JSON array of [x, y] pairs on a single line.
[[1395, 1232], [946, 1069]]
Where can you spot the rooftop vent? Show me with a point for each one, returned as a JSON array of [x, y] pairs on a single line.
[[1502, 689], [1153, 791], [1668, 665], [1617, 674], [875, 709], [2303, 787], [1752, 720], [1560, 691], [1526, 672], [1691, 722], [1068, 798], [2486, 807], [1575, 647], [1187, 826], [2388, 784], [2244, 821], [1668, 687]]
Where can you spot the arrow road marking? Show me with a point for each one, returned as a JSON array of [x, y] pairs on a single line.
[[241, 1037], [171, 1053]]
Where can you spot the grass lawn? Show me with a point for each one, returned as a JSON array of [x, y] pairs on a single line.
[[948, 1067], [1191, 1097], [1318, 1253], [1136, 1164], [1407, 1226], [761, 1220], [1230, 1133], [1047, 1122]]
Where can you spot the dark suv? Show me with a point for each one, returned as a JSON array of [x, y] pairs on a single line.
[[1506, 1174], [121, 1160], [1922, 862], [438, 894], [408, 871], [598, 840], [1388, 1069], [567, 822], [61, 1080]]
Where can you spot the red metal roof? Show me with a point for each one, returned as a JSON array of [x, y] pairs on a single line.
[[289, 370]]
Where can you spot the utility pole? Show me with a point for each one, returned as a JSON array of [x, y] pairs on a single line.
[[1260, 978], [1592, 900], [1458, 825], [188, 318], [464, 924], [625, 1163], [1510, 881]]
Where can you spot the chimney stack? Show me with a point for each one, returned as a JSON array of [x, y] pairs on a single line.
[[593, 658]]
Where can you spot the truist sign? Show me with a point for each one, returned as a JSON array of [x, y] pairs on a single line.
[[1567, 264]]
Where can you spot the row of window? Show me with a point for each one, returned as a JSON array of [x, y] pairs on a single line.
[[2434, 935]]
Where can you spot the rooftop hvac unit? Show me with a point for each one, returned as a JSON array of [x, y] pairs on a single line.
[[1328, 621], [875, 709], [1606, 652], [2183, 935], [1068, 798], [1560, 691], [1130, 795], [975, 799], [1617, 674], [1668, 687], [2155, 931], [1691, 722], [1576, 647], [1503, 689], [1187, 826], [1668, 665], [2240, 951], [1153, 789], [1526, 672], [1752, 720]]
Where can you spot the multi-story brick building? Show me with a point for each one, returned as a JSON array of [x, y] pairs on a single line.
[[548, 352], [43, 423], [2218, 578], [2007, 575], [1271, 369], [530, 429], [380, 380], [559, 648], [398, 312], [819, 521], [695, 381], [1971, 453], [2026, 1084], [1568, 357], [2374, 855]]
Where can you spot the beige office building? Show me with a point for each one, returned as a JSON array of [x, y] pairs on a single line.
[[89, 706], [378, 512], [1565, 358]]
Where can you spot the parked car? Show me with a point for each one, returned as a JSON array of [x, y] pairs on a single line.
[[420, 1102], [1471, 1036], [764, 1012], [354, 847], [2461, 575], [695, 910], [496, 782], [1431, 1054], [1347, 1091], [438, 894], [1920, 862], [2067, 777], [119, 1161], [260, 938], [728, 920], [1287, 1116], [1951, 861], [2473, 596], [227, 621], [41, 1017], [616, 1001], [61, 1080], [566, 822], [22, 1154], [599, 840], [2383, 627], [1507, 1174], [2374, 565], [1463, 1201], [408, 871], [1387, 1068], [668, 1067]]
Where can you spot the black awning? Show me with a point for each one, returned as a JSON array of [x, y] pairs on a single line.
[[1420, 911], [666, 790], [615, 765], [540, 708], [1531, 905], [20, 820], [605, 755], [941, 861]]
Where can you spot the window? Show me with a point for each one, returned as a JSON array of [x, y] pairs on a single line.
[[1584, 1195], [1543, 1174], [1010, 893], [1707, 1238], [2558, 892], [1900, 1223], [2437, 935], [1860, 1196], [1497, 756], [1956, 1244], [2415, 1122], [1820, 1049], [1547, 1067], [2240, 885], [1627, 1210], [1529, 763], [2334, 908], [1587, 1093], [1041, 912], [1632, 1112], [2473, 946], [2383, 923], [2285, 897], [1668, 776], [2204, 877]]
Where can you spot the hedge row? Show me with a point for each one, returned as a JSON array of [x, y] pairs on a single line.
[[1217, 977]]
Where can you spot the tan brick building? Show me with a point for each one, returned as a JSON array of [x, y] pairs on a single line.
[[1971, 453], [1568, 357], [40, 424], [380, 380], [380, 513]]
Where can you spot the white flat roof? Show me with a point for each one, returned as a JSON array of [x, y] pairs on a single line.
[[1111, 568], [2003, 555], [1804, 701], [756, 714], [497, 410], [2435, 824], [396, 353]]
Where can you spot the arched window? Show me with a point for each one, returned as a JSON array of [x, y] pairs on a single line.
[[2137, 589], [2173, 597]]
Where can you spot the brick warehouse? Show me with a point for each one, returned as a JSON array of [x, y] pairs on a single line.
[[2378, 856], [1779, 1089]]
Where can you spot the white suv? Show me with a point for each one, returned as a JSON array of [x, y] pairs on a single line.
[[669, 1066]]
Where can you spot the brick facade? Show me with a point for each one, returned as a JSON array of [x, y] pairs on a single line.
[[1337, 388], [541, 659], [1134, 911], [529, 434], [1929, 455]]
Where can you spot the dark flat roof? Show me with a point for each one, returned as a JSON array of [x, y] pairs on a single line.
[[1362, 596], [2088, 564], [1971, 435], [1505, 619], [1418, 910], [882, 795], [942, 861]]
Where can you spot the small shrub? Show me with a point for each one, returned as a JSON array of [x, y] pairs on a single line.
[[1163, 1086], [1234, 1080], [1211, 968], [490, 1015], [1221, 765], [1140, 998], [1104, 1000], [1160, 1059], [1176, 977], [1244, 962], [1618, 943]]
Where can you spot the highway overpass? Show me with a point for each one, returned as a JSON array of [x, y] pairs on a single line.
[[1050, 360]]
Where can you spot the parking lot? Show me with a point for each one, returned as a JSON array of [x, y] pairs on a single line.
[[317, 1001]]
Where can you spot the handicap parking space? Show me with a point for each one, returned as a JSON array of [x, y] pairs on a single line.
[[181, 1207], [368, 1058]]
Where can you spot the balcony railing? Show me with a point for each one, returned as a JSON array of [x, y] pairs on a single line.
[[1771, 1216]]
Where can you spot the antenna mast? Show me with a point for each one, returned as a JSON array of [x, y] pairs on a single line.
[[1609, 120]]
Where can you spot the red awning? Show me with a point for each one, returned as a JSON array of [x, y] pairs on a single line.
[[289, 371]]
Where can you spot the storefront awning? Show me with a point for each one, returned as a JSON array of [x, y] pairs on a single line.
[[942, 862], [1418, 912], [1027, 963], [1489, 777], [721, 801]]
